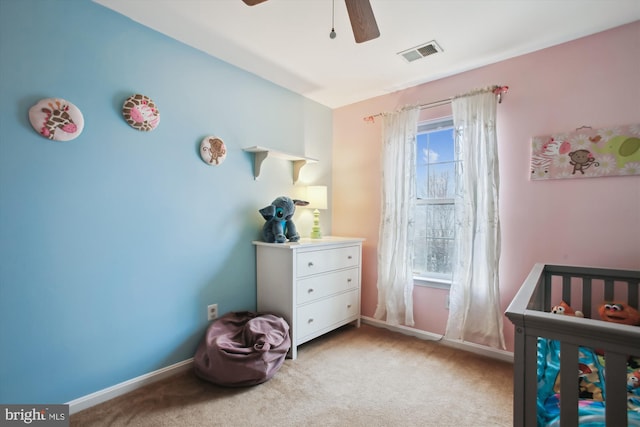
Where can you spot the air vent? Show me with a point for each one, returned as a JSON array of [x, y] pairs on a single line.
[[421, 51]]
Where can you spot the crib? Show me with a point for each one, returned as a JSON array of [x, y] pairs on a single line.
[[584, 289]]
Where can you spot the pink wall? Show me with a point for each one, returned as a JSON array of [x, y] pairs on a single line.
[[591, 81]]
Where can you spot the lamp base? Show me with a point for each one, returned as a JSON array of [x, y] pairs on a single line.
[[315, 230]]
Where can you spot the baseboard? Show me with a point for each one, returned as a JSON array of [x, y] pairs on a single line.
[[109, 393], [494, 353]]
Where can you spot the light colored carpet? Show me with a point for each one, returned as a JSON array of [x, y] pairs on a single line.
[[350, 377]]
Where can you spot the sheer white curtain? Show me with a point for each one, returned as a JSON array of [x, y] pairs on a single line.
[[395, 246], [474, 308]]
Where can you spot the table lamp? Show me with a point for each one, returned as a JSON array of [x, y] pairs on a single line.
[[317, 198]]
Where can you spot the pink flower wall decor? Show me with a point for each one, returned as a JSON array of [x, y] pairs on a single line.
[[587, 153]]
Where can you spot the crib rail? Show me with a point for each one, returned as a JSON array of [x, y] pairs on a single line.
[[529, 311]]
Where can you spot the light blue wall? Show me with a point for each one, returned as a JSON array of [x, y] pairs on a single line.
[[113, 244]]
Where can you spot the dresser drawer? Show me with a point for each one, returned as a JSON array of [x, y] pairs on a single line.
[[321, 314], [314, 262], [319, 286]]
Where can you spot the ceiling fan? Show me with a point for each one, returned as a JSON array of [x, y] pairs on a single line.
[[363, 23]]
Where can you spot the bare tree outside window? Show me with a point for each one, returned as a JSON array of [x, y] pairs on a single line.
[[435, 230]]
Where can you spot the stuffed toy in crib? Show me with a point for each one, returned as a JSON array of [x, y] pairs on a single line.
[[279, 226], [565, 309], [616, 312], [619, 312]]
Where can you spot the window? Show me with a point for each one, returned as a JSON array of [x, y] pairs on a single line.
[[434, 216]]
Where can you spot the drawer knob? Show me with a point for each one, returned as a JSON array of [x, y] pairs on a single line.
[[310, 264], [310, 290], [310, 320], [349, 257], [349, 280], [348, 305]]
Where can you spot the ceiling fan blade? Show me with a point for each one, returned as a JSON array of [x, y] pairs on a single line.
[[363, 23], [252, 2]]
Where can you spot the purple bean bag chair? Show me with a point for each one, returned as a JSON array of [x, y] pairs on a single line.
[[242, 349]]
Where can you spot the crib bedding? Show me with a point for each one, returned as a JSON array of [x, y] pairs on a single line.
[[590, 380]]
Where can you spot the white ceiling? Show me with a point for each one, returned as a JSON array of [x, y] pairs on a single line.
[[287, 41]]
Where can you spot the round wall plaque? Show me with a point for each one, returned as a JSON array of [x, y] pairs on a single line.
[[213, 151], [141, 112], [56, 119]]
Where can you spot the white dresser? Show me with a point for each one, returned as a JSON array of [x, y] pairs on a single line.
[[314, 284]]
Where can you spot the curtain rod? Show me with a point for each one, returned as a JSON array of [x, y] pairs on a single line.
[[498, 90]]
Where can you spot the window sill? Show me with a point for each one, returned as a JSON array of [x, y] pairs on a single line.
[[430, 282]]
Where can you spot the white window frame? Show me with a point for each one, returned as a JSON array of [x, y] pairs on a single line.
[[434, 280]]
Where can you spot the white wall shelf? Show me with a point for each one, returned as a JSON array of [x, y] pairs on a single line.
[[262, 153]]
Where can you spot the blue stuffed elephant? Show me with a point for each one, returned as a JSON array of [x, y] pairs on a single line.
[[279, 226]]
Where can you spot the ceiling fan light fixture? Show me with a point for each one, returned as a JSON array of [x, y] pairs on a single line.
[[363, 22]]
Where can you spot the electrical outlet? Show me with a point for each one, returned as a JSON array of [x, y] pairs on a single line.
[[212, 311]]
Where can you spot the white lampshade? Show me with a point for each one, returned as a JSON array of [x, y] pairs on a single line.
[[317, 197]]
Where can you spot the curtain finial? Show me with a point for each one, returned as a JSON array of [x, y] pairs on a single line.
[[499, 90]]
